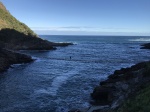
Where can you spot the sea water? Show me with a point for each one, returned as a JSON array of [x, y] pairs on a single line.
[[56, 83]]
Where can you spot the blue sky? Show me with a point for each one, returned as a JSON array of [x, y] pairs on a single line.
[[83, 17]]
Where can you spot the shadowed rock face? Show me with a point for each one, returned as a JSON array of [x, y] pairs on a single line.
[[10, 22], [146, 46], [13, 39], [18, 36], [121, 85], [9, 57], [15, 35]]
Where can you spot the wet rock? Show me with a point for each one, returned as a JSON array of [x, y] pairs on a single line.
[[102, 95], [145, 46], [121, 85], [74, 110]]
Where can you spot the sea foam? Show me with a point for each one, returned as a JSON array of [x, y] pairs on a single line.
[[140, 40]]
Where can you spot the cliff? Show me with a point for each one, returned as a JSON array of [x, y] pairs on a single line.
[[7, 58], [18, 36], [122, 85], [7, 21], [15, 35]]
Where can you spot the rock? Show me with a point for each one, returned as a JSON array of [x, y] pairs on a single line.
[[102, 95], [74, 110], [14, 40], [61, 44], [8, 58], [120, 85], [145, 46]]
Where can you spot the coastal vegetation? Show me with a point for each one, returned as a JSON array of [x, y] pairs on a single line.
[[15, 35], [7, 21], [127, 90], [138, 103]]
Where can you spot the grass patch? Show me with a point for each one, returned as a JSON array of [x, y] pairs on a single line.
[[8, 21], [139, 103]]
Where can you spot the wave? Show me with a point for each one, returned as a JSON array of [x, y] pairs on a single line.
[[140, 40], [57, 82]]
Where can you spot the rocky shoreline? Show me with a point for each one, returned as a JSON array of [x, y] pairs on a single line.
[[110, 94], [8, 57], [15, 35], [120, 85], [12, 41]]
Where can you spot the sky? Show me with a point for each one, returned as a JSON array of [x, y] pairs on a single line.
[[83, 17]]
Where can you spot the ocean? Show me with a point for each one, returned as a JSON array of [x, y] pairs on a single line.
[[54, 82]]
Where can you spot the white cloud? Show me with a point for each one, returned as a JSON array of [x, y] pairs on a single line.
[[84, 30]]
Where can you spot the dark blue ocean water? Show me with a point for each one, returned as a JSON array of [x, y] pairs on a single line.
[[56, 83]]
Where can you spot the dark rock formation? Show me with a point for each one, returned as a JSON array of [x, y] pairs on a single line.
[[12, 39], [15, 40], [121, 85], [8, 58], [15, 35], [146, 46], [102, 95], [60, 44]]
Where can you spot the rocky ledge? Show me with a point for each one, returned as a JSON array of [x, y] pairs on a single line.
[[63, 44], [14, 40], [146, 46], [8, 58], [125, 82]]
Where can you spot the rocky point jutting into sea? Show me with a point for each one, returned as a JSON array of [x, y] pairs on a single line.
[[15, 35], [109, 95], [123, 91], [146, 46], [120, 85]]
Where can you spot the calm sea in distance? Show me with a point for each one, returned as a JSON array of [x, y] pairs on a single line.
[[56, 83]]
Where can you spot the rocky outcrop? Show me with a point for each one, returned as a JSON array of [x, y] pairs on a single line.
[[8, 58], [120, 85], [146, 46], [18, 36], [15, 35], [14, 40]]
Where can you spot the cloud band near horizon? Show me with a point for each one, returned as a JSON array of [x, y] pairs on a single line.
[[89, 30]]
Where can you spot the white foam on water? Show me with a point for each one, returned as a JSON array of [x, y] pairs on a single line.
[[140, 40], [57, 82], [42, 91]]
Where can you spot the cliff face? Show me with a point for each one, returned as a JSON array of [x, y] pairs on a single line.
[[18, 36], [15, 40], [15, 35], [8, 58], [123, 84], [10, 22]]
